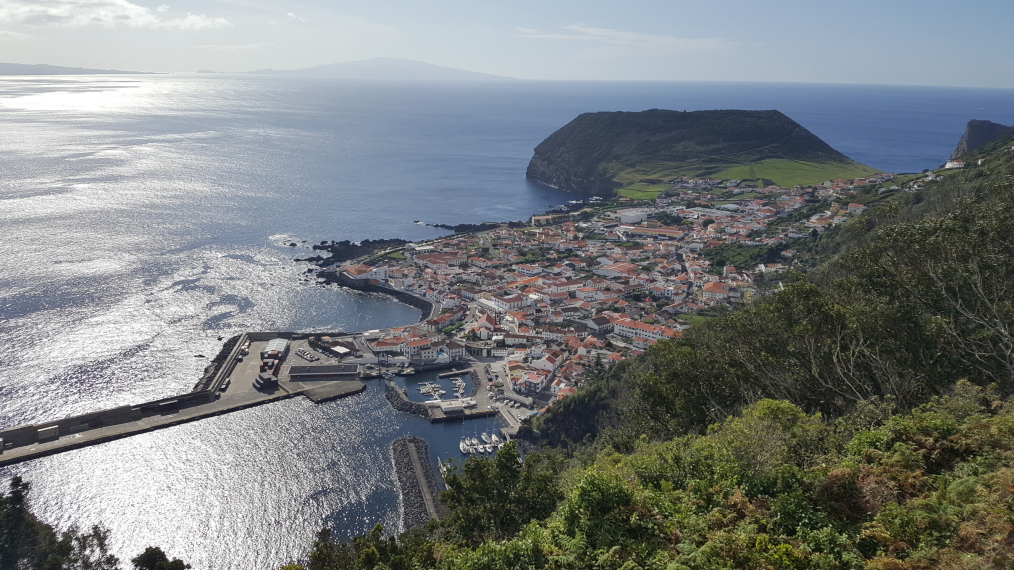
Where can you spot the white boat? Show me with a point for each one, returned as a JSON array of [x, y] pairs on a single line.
[[496, 440], [473, 442], [487, 448], [463, 446], [485, 438]]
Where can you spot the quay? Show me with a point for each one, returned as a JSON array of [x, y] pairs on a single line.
[[231, 383], [228, 387], [485, 405]]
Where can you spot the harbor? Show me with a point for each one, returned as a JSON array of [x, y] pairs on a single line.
[[258, 368]]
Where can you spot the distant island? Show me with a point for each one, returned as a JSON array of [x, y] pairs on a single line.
[[45, 69], [638, 154], [387, 68]]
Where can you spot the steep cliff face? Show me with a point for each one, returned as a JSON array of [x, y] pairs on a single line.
[[586, 155], [978, 133]]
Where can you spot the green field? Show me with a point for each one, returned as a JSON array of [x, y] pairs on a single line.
[[788, 173], [641, 191], [694, 319], [645, 181]]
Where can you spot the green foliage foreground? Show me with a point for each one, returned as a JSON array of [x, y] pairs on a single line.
[[772, 487], [26, 543]]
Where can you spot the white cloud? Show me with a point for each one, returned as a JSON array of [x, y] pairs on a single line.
[[243, 47], [616, 43], [14, 36], [162, 8], [108, 13], [196, 22], [292, 17]]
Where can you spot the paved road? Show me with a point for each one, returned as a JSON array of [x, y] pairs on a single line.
[[483, 399]]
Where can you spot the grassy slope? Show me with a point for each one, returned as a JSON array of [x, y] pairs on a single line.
[[787, 173], [642, 181]]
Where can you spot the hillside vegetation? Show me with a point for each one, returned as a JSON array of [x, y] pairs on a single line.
[[769, 488], [861, 417], [598, 153]]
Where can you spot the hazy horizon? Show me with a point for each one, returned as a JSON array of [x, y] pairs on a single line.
[[788, 41]]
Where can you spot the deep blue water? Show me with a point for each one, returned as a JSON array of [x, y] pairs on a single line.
[[143, 217]]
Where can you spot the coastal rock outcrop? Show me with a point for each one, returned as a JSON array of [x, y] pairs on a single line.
[[978, 133]]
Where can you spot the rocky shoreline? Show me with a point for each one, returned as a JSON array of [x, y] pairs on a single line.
[[401, 403], [427, 308], [342, 251], [414, 511], [209, 372], [472, 228]]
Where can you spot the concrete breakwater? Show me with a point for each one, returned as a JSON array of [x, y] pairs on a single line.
[[208, 398], [216, 364], [416, 481]]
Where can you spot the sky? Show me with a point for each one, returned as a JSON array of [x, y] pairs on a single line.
[[904, 42]]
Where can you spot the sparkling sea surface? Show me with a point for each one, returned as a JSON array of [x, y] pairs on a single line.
[[141, 218]]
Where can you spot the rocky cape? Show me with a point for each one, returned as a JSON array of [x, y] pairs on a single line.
[[586, 154], [978, 133]]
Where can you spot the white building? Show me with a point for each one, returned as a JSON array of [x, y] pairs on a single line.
[[631, 328], [632, 216]]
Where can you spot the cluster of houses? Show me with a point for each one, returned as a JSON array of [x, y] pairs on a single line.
[[555, 300]]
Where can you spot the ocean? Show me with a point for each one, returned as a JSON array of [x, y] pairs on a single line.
[[144, 217]]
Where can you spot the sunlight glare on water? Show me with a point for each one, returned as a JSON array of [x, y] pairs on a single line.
[[144, 217]]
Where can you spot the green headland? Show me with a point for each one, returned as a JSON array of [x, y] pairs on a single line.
[[637, 155]]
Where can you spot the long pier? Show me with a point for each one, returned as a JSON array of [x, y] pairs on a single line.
[[228, 386], [229, 389]]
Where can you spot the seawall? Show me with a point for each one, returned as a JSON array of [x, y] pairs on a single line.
[[47, 438], [428, 308], [399, 401], [416, 480]]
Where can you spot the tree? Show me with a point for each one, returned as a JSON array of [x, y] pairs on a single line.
[[24, 541], [154, 559], [491, 499]]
